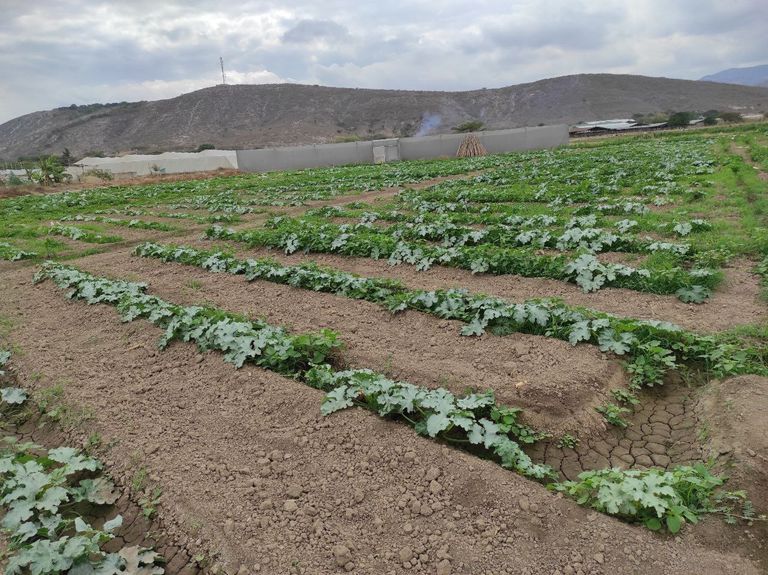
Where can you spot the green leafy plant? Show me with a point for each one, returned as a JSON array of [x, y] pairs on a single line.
[[13, 395], [408, 245], [134, 223], [38, 491], [48, 171], [656, 498], [567, 441], [238, 338], [12, 253], [625, 396], [474, 419], [613, 414], [82, 235], [651, 361], [436, 411], [694, 294], [150, 501], [139, 479], [654, 347], [5, 356]]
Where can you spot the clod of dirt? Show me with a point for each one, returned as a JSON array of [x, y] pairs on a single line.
[[342, 555]]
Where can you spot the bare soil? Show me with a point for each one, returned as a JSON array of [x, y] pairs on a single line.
[[662, 432], [253, 476], [733, 417]]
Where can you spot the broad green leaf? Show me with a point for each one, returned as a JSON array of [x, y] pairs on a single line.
[[673, 523], [52, 498], [115, 523], [436, 423], [475, 327], [653, 524], [579, 332], [13, 395], [100, 491], [335, 400], [73, 459]]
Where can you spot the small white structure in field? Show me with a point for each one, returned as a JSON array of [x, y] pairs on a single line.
[[166, 163]]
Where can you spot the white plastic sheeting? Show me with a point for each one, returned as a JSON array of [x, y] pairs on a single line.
[[166, 163]]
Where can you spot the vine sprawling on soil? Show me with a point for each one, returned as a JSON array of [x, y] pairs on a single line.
[[366, 241], [654, 346], [304, 357]]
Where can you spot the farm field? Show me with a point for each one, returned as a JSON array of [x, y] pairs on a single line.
[[543, 362]]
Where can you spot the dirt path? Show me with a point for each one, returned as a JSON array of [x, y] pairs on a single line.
[[252, 474], [736, 302], [745, 155], [557, 385]]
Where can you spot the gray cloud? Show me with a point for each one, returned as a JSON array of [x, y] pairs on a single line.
[[571, 26], [55, 53], [306, 31]]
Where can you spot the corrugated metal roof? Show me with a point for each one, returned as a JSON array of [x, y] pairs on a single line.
[[602, 123], [607, 125]]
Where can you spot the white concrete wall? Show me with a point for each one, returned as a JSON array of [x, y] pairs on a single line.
[[299, 157], [495, 141], [446, 145]]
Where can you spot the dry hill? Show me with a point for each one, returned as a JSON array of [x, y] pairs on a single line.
[[245, 116]]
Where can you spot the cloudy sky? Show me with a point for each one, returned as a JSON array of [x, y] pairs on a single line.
[[57, 53]]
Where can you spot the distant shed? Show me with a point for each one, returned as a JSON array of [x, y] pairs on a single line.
[[612, 127]]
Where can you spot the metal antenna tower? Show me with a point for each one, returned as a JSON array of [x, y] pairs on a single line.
[[223, 75]]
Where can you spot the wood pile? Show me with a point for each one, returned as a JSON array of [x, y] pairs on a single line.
[[471, 147]]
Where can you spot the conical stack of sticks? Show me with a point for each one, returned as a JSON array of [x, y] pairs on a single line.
[[471, 147]]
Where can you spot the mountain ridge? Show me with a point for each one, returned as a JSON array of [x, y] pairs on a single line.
[[747, 76], [264, 115]]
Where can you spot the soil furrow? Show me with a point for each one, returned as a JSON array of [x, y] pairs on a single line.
[[557, 385]]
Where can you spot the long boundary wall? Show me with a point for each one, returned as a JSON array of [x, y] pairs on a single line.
[[297, 157], [446, 145]]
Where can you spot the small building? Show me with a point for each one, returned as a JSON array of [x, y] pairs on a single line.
[[612, 127]]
